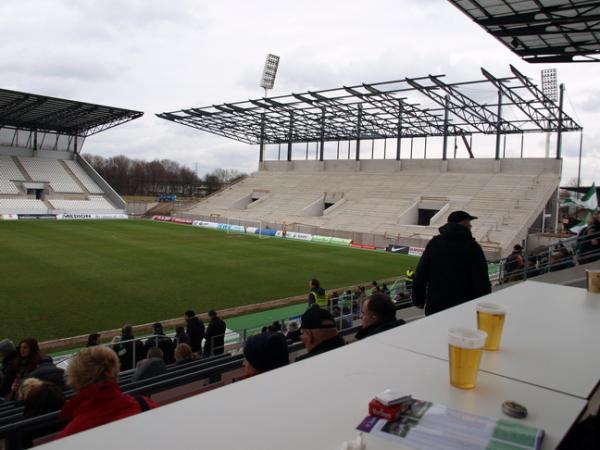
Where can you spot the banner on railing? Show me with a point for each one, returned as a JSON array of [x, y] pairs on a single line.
[[10, 217]]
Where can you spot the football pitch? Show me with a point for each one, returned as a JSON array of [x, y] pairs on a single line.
[[66, 278]]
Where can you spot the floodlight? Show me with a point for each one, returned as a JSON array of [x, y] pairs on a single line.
[[550, 90], [269, 72], [550, 84]]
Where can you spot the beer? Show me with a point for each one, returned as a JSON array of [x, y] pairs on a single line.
[[593, 281], [490, 318], [464, 352]]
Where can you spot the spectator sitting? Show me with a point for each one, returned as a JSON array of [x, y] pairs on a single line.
[[342, 321], [8, 370], [319, 332], [28, 360], [374, 287], [43, 398], [293, 334], [561, 259], [384, 289], [183, 354], [214, 343], [334, 298], [514, 264], [92, 374], [588, 241], [159, 340], [180, 337], [93, 340], [275, 327], [26, 387], [48, 372], [264, 352], [378, 314], [194, 331], [152, 366], [264, 330], [129, 350]]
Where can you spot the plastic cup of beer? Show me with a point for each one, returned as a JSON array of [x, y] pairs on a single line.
[[593, 281], [464, 351], [490, 318]]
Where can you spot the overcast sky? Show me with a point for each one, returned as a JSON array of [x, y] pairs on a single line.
[[160, 55]]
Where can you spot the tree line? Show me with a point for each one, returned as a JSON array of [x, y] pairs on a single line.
[[138, 177]]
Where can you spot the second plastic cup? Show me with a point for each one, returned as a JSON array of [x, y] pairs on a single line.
[[490, 318], [464, 351]]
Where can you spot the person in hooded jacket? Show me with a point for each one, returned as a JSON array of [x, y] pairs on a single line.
[[452, 269], [98, 400]]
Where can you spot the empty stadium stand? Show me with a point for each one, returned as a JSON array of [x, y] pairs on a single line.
[[383, 200], [34, 185]]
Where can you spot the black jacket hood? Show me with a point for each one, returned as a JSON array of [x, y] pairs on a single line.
[[455, 232]]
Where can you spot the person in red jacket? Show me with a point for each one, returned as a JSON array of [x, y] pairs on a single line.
[[92, 374]]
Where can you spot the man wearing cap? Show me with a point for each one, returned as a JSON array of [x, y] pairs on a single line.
[[264, 352], [453, 268], [319, 332]]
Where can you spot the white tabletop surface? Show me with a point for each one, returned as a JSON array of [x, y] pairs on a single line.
[[551, 336], [317, 404]]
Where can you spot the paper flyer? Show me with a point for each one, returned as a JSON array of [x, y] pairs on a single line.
[[428, 425]]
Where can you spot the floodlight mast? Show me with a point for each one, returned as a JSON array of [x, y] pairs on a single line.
[[269, 72], [550, 90]]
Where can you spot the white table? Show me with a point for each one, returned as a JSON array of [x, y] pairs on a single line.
[[317, 403], [551, 336]]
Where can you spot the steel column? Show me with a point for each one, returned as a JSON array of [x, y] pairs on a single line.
[[290, 137], [560, 122], [261, 152], [446, 108], [322, 137], [358, 132], [399, 141], [498, 124]]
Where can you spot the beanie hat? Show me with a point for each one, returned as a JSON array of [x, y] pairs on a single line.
[[267, 351], [7, 346]]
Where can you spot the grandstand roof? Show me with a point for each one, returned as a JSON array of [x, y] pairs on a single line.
[[39, 112], [541, 31], [410, 107]]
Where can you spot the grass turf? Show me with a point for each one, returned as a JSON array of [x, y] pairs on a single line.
[[60, 279]]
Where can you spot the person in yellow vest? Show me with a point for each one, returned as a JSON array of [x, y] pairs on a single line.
[[410, 273], [317, 295]]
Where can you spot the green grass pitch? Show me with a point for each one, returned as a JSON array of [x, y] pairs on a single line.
[[60, 279]]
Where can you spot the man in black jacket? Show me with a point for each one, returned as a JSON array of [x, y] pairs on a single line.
[[378, 314], [319, 332], [215, 335], [194, 331], [453, 268], [161, 341], [129, 350]]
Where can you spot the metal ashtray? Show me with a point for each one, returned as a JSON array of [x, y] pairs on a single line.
[[514, 409]]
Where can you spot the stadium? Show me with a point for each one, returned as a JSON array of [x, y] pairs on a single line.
[[334, 228]]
